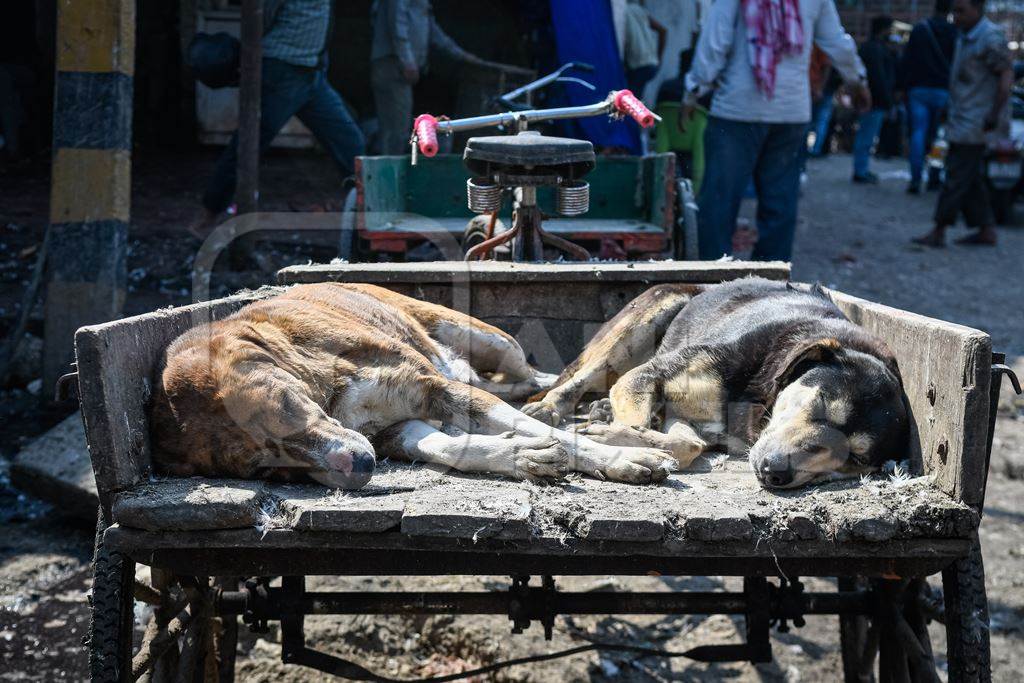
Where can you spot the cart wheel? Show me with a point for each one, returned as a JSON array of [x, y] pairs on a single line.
[[476, 232], [183, 640], [111, 627], [967, 626], [858, 640]]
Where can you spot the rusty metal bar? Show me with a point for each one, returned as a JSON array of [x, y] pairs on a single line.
[[277, 604]]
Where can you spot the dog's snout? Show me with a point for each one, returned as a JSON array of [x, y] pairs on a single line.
[[347, 463], [777, 479], [775, 472]]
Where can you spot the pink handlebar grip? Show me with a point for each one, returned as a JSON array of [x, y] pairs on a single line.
[[425, 128], [627, 103]]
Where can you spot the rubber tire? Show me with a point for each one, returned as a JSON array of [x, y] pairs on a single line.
[[111, 627], [967, 632]]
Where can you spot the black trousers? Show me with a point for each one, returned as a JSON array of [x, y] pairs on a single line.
[[965, 189]]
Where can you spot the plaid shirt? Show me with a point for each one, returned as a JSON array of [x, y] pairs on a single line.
[[295, 31]]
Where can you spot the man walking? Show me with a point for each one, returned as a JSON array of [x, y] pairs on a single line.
[[924, 75], [979, 88], [294, 83], [403, 33], [881, 68], [755, 56]]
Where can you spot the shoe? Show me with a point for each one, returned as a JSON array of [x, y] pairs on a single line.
[[914, 188], [930, 240], [866, 179]]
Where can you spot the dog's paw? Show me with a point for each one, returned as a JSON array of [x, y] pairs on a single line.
[[544, 380], [614, 434], [540, 458], [640, 466], [600, 410], [544, 412]]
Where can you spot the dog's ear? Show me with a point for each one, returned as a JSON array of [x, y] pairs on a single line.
[[818, 350]]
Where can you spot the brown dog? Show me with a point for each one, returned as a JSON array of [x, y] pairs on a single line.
[[310, 381]]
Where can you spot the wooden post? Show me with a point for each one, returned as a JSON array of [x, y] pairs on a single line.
[[249, 107], [247, 189], [91, 176]]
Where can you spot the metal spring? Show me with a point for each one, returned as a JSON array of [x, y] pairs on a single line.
[[573, 198], [482, 195]]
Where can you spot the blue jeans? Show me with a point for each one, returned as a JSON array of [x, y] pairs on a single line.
[[868, 126], [925, 106], [821, 117], [288, 91], [735, 151]]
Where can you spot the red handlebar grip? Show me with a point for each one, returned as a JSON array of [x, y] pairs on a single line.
[[425, 128], [627, 103]]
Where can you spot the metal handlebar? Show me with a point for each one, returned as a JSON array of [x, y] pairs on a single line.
[[618, 103]]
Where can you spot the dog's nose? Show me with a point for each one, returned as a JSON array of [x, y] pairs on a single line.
[[776, 478]]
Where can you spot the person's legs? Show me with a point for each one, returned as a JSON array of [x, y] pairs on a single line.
[[731, 151], [867, 130], [392, 95], [977, 206], [284, 89], [822, 118], [327, 117], [963, 163], [777, 177], [920, 114]]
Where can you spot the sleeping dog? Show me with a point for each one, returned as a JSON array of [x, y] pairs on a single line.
[[319, 379], [829, 394]]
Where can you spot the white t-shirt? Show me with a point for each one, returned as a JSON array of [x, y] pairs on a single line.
[[640, 46]]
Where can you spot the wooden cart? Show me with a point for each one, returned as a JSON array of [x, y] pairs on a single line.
[[399, 206], [212, 544]]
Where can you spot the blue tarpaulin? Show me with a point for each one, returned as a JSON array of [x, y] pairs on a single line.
[[584, 32]]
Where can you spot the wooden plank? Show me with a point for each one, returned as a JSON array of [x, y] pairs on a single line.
[[116, 361], [193, 504], [140, 541], [483, 513], [453, 272], [314, 508], [946, 375]]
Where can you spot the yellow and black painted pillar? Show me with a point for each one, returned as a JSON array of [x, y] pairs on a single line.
[[90, 195]]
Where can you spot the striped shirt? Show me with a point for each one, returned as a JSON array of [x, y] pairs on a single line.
[[295, 31], [722, 64]]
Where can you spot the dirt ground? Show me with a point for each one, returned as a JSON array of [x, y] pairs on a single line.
[[853, 238]]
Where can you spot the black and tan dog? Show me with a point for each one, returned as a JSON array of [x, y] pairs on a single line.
[[314, 381], [830, 393]]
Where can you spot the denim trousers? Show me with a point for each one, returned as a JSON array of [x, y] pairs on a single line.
[[868, 126], [288, 90], [925, 106], [821, 117], [735, 152]]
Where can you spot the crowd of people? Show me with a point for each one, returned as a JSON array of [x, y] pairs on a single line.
[[758, 96], [751, 102]]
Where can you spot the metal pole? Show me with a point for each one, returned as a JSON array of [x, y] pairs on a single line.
[[249, 107]]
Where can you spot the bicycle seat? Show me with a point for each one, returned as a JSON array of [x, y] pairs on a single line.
[[529, 153]]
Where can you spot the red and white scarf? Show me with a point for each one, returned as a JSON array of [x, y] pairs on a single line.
[[774, 30]]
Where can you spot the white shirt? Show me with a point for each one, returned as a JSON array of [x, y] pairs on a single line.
[[722, 64]]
